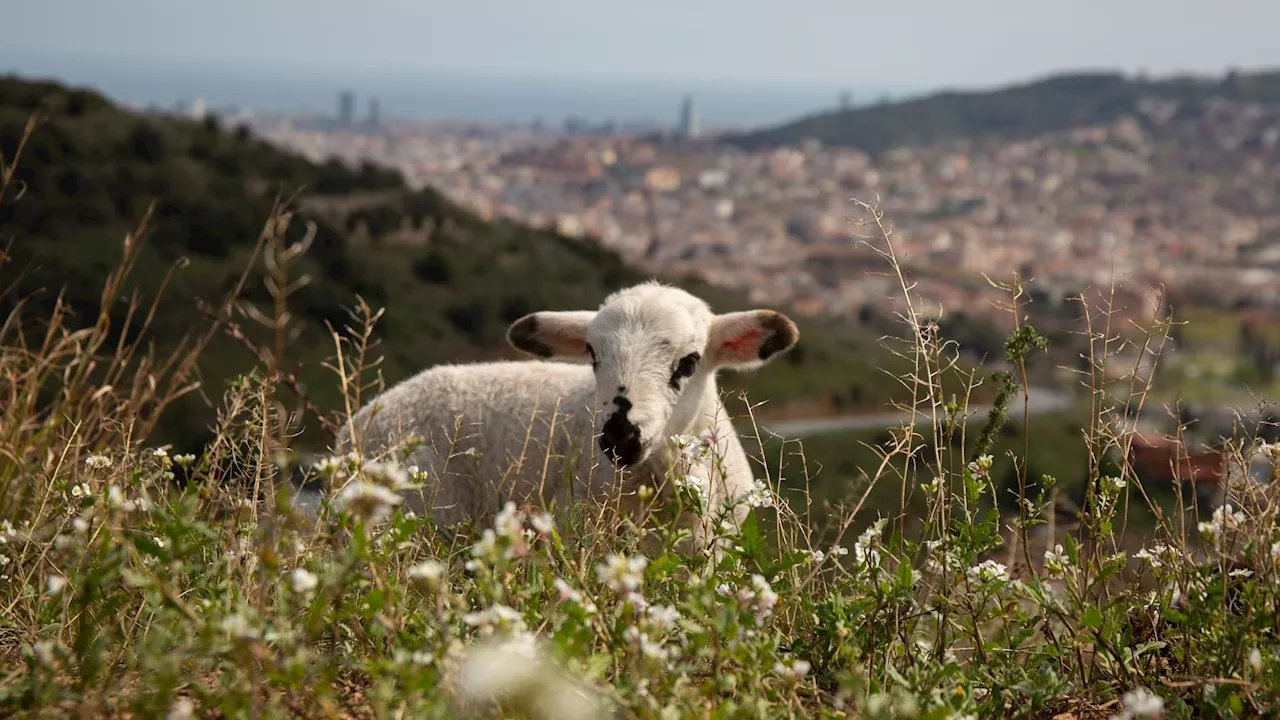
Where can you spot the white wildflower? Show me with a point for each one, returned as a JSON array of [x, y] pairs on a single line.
[[1224, 518], [369, 502], [44, 652], [817, 556], [428, 571], [331, 465], [304, 581], [570, 594], [182, 709], [1141, 703], [1255, 660], [1056, 561], [55, 584], [1241, 573], [989, 570], [543, 523], [81, 490], [981, 466], [792, 670], [697, 486], [663, 617], [184, 459], [760, 495], [238, 626], [97, 462], [496, 617], [648, 646], [622, 573], [516, 672], [508, 522], [387, 474], [486, 546]]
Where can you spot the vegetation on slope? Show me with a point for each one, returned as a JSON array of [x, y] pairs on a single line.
[[128, 595], [449, 282], [1018, 111]]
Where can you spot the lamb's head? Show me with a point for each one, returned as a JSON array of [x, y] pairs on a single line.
[[655, 350]]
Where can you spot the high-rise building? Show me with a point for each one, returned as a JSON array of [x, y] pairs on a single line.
[[846, 100], [374, 118], [198, 109], [689, 118], [346, 107]]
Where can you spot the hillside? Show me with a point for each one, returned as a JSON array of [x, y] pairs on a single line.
[[1013, 112], [450, 283]]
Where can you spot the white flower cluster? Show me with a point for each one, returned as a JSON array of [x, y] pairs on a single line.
[[497, 617], [335, 464], [427, 571], [793, 670], [368, 502], [836, 551], [759, 597], [304, 581], [760, 495], [568, 593], [97, 462], [989, 571], [1224, 518], [647, 646], [1140, 703], [697, 486], [1158, 556], [864, 552], [116, 499], [694, 449], [508, 537], [981, 467], [1056, 562], [621, 573], [387, 474]]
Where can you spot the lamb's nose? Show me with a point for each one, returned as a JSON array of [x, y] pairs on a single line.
[[620, 438]]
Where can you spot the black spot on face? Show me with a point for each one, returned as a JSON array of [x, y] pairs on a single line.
[[523, 335], [620, 438], [782, 334], [685, 367]]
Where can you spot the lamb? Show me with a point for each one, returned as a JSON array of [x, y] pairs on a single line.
[[529, 431]]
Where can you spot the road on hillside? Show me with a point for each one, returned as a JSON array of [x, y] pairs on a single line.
[[1040, 401]]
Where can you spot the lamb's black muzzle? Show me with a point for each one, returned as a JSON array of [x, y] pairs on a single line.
[[620, 438]]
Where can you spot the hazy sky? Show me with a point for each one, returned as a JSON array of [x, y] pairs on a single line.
[[888, 42]]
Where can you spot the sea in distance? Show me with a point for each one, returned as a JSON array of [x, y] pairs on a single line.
[[435, 95]]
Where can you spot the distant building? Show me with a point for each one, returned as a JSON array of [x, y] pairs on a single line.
[[198, 109], [846, 100], [374, 118], [689, 118], [346, 108]]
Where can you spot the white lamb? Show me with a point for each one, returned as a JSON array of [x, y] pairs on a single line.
[[527, 431]]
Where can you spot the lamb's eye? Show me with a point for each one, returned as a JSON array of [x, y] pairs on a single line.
[[684, 367], [592, 352]]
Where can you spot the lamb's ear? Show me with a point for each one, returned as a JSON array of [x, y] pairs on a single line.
[[746, 340], [552, 334]]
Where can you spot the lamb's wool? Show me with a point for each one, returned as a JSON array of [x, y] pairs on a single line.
[[529, 431]]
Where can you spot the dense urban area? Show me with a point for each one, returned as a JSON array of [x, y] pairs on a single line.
[[1171, 196]]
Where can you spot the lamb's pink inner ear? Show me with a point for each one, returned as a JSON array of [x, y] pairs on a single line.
[[571, 345], [743, 347]]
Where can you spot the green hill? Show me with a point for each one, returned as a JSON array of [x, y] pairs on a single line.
[[1016, 111], [450, 283]]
